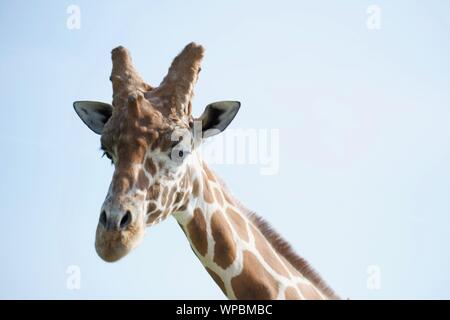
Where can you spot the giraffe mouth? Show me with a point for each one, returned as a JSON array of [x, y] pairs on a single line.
[[112, 245]]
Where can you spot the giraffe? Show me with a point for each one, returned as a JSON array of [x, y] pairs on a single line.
[[153, 142]]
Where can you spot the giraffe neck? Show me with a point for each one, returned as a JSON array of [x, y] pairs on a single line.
[[233, 249]]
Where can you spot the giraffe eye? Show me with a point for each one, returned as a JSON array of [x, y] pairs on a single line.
[[178, 154]]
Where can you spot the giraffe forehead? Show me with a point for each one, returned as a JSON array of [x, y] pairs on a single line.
[[130, 131]]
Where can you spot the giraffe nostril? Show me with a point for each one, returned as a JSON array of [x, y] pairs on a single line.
[[103, 218], [126, 219]]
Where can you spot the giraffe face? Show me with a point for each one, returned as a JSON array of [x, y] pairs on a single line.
[[153, 158], [151, 175], [151, 138]]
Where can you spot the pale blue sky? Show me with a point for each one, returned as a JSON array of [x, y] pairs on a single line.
[[363, 118]]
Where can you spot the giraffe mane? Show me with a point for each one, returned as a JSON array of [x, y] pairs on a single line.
[[285, 249], [281, 246]]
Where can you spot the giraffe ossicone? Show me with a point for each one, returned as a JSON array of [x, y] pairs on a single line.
[[152, 138]]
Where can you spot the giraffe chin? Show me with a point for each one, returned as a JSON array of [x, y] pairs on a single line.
[[112, 245]]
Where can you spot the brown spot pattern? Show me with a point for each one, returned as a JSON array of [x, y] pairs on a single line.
[[151, 218], [254, 282], [238, 223], [207, 195], [195, 188], [218, 196], [178, 197], [209, 173], [185, 202], [264, 248], [309, 292], [153, 192], [217, 279], [197, 232], [291, 294], [294, 272], [151, 207], [142, 182], [150, 166], [224, 247]]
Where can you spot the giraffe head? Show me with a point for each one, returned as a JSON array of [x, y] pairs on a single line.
[[151, 138]]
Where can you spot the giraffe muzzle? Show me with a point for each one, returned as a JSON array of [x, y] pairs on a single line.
[[120, 229], [118, 221]]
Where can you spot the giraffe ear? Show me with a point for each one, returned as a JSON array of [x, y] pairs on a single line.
[[217, 116], [94, 114]]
